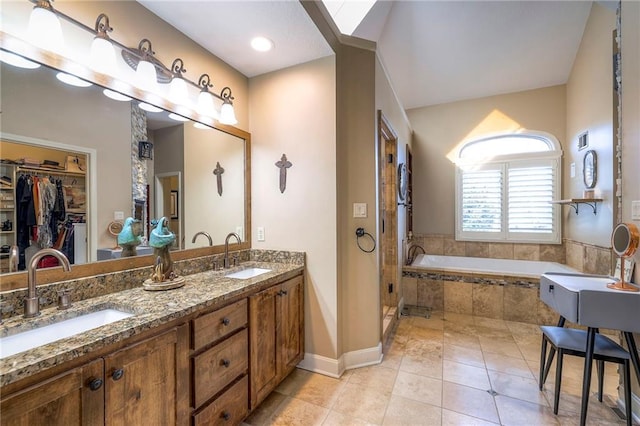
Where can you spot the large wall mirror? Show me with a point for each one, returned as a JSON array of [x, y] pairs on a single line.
[[198, 176]]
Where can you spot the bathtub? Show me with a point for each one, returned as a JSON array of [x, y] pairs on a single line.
[[485, 266]]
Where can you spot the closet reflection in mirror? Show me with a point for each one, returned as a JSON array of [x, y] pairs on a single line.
[[38, 109]]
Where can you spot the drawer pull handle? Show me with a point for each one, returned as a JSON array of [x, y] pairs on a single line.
[[551, 288], [225, 415], [226, 363], [282, 293], [95, 384], [226, 321], [117, 374]]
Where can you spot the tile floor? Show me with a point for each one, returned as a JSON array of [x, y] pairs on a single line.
[[450, 369]]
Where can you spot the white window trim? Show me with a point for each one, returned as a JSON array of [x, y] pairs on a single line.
[[554, 154]]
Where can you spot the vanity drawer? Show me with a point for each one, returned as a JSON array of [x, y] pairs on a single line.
[[217, 367], [215, 325], [561, 299], [228, 409]]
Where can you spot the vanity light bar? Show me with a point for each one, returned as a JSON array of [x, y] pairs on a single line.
[[144, 55]]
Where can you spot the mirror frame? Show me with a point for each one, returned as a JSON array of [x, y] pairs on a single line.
[[18, 280]]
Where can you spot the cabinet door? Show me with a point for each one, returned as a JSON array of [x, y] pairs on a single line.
[[72, 398], [263, 316], [290, 331], [141, 382]]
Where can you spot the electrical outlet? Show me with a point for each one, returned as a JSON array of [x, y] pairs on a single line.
[[260, 233], [118, 215], [359, 209], [573, 170]]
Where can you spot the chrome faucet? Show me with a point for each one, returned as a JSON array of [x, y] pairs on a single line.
[[226, 248], [31, 303], [206, 234], [13, 258]]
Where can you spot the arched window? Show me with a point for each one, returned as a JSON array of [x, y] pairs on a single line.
[[504, 185]]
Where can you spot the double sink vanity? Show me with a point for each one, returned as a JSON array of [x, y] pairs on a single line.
[[206, 353]]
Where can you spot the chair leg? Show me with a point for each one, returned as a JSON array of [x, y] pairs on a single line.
[[547, 365], [556, 396], [600, 368], [543, 356], [627, 391]]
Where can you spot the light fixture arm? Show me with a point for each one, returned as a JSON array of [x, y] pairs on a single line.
[[177, 68], [225, 95], [102, 26], [204, 82]]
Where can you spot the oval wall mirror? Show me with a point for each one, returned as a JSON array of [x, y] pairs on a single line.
[[624, 242], [589, 169]]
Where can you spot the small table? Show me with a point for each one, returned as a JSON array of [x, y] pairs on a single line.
[[586, 300]]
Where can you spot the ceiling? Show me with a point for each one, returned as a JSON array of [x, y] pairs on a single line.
[[434, 51]]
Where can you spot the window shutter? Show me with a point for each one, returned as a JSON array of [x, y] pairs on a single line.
[[482, 200], [530, 189]]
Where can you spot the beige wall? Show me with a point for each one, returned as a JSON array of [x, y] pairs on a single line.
[[293, 112], [439, 129], [590, 109], [358, 271]]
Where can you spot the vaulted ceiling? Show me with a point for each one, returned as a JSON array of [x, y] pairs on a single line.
[[433, 51]]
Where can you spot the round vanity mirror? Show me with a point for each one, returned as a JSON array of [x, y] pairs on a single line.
[[624, 242], [589, 169]]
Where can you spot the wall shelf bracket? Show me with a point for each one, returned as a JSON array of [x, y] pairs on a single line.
[[575, 203]]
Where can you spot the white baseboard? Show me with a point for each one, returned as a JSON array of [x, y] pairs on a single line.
[[335, 367]]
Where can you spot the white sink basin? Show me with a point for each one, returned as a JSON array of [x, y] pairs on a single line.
[[30, 339], [248, 273]]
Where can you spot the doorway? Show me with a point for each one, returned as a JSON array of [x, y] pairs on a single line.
[[168, 191], [388, 217]]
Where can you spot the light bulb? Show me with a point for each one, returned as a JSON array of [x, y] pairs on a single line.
[[206, 106], [146, 78], [227, 114], [148, 107], [72, 80], [44, 28], [103, 56], [178, 92], [17, 61], [115, 95]]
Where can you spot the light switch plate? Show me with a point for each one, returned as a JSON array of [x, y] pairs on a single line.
[[573, 170], [359, 209], [260, 233], [118, 215], [635, 210]]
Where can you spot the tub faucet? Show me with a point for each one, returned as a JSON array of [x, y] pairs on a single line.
[[411, 253], [31, 303], [206, 234], [226, 248]]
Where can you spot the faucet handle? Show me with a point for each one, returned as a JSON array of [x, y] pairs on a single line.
[[235, 259], [64, 300]]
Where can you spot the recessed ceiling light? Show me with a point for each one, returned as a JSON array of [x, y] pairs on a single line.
[[72, 80], [17, 61], [115, 95], [177, 117], [148, 107], [262, 44]]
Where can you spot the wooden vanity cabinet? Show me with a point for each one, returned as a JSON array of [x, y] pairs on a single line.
[[220, 365], [72, 398], [132, 386], [276, 336]]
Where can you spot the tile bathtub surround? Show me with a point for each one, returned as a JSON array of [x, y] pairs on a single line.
[[504, 298], [450, 369], [11, 302]]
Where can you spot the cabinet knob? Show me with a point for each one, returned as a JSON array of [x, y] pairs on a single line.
[[225, 362], [225, 415], [226, 321], [117, 374], [95, 384]]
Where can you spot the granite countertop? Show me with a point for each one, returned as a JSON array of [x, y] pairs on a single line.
[[150, 308]]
